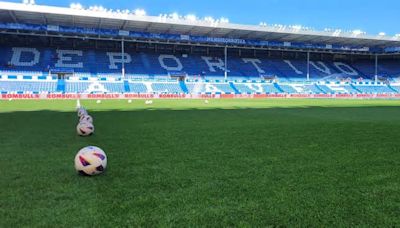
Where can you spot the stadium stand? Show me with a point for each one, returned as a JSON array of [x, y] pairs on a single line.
[[375, 89], [20, 86], [98, 72], [94, 87], [136, 87], [100, 67], [100, 64], [158, 87]]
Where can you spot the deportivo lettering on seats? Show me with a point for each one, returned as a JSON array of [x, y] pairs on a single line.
[[162, 58], [30, 57], [211, 88], [213, 63], [256, 87], [65, 58], [32, 54], [255, 63], [117, 58], [346, 69], [293, 67], [319, 65]]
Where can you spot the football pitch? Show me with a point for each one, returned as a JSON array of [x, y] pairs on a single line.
[[185, 163]]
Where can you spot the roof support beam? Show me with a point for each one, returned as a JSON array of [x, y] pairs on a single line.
[[100, 23], [12, 15], [123, 25], [146, 29], [44, 19]]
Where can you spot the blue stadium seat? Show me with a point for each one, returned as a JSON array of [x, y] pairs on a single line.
[[137, 87], [94, 87], [28, 86], [166, 88], [374, 89], [97, 63]]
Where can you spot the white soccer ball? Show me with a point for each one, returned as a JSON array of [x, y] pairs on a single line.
[[86, 118], [82, 112], [85, 129], [149, 102], [98, 101], [90, 161], [206, 102], [129, 101]]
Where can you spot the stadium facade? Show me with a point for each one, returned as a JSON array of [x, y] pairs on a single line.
[[55, 52]]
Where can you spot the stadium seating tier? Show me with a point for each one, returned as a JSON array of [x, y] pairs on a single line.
[[95, 71]]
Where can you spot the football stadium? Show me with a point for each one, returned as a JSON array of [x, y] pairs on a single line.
[[114, 118]]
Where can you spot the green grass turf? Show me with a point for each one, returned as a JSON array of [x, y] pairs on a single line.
[[184, 163]]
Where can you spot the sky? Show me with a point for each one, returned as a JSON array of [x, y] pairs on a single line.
[[371, 16]]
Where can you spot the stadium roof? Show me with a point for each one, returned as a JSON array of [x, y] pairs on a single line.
[[89, 18]]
